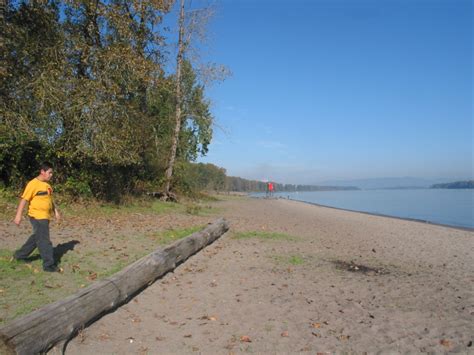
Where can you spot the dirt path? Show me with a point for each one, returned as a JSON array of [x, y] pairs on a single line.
[[344, 281]]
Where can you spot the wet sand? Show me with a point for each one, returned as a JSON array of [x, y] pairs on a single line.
[[344, 281]]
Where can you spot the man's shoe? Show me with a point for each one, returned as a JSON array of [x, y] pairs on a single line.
[[53, 268]]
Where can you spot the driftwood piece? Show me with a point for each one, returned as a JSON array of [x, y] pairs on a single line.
[[40, 330]]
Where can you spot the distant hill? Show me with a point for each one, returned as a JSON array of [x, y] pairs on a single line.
[[388, 183], [468, 184]]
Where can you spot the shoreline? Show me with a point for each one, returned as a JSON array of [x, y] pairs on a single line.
[[462, 228]]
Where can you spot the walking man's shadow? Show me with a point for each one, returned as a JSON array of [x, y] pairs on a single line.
[[63, 248]]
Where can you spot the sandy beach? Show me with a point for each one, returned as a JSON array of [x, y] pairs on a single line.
[[340, 281]]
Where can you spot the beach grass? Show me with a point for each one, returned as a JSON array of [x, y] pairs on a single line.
[[92, 208], [169, 236], [25, 287], [142, 207], [289, 259], [265, 236], [8, 203], [200, 209]]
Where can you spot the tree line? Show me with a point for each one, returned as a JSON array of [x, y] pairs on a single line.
[[239, 184], [84, 84], [466, 184]]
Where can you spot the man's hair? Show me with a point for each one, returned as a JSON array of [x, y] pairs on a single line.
[[45, 166]]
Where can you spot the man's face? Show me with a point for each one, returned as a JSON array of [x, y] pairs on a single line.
[[46, 174]]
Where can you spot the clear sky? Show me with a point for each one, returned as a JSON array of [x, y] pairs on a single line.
[[343, 89]]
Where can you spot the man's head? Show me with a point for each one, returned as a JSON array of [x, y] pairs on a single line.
[[46, 172]]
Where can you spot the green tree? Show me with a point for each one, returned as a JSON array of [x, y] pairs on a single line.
[[82, 84]]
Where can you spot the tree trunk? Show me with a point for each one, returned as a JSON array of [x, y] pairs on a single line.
[[177, 128], [40, 330]]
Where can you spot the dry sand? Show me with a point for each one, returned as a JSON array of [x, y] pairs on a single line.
[[307, 294]]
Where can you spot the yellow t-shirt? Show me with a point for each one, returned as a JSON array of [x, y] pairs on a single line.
[[39, 195]]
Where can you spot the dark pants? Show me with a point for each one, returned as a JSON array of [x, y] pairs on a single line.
[[39, 239]]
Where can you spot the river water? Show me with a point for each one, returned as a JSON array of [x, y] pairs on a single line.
[[454, 207]]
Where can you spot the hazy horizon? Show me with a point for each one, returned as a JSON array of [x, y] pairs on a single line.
[[388, 181]]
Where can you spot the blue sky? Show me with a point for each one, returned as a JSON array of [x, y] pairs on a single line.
[[343, 89]]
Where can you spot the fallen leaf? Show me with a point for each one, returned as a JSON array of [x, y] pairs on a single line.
[[316, 325], [245, 339], [92, 276], [188, 336], [445, 342], [285, 334]]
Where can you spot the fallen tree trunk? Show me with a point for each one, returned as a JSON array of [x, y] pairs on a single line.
[[40, 330]]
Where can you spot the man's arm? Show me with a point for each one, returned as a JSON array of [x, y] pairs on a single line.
[[19, 211]]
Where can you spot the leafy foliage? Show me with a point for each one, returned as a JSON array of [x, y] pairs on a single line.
[[85, 87]]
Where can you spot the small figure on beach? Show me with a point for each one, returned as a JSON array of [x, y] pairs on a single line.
[[270, 189], [38, 194]]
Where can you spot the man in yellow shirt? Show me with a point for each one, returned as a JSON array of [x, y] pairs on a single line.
[[39, 195]]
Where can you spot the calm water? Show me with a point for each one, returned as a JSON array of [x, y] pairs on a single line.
[[443, 206]]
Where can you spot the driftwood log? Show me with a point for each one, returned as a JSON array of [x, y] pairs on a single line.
[[57, 322]]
